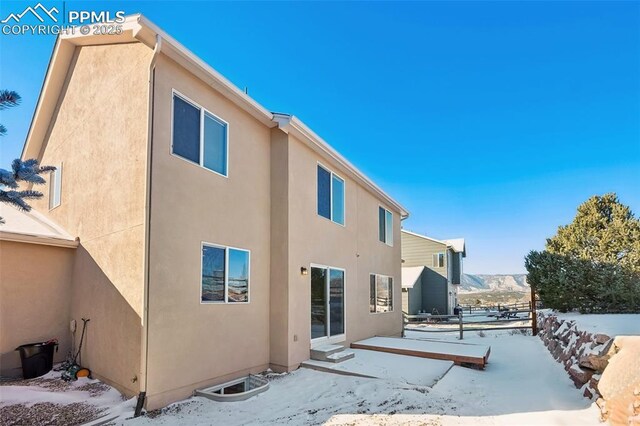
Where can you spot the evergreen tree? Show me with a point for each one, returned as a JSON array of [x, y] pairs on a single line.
[[592, 264], [21, 171], [604, 230]]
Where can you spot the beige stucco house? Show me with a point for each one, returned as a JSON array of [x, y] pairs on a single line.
[[211, 238], [431, 273]]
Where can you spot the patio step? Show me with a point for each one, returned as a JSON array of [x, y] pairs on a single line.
[[322, 352], [340, 356]]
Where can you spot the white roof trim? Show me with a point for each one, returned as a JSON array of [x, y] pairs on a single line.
[[425, 237], [37, 239], [138, 28], [289, 123]]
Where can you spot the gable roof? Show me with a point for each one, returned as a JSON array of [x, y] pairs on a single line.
[[415, 234], [137, 28], [32, 227], [410, 275], [456, 244]]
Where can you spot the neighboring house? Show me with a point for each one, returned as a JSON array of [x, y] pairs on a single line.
[[431, 273], [216, 238]]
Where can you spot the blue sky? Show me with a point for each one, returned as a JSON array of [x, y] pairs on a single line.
[[487, 120]]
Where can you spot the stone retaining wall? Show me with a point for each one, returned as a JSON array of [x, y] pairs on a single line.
[[614, 382]]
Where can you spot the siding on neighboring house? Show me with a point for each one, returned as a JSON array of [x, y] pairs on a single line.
[[418, 251], [456, 260], [413, 298], [434, 292]]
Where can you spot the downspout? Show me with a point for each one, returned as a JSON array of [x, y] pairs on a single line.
[[147, 264]]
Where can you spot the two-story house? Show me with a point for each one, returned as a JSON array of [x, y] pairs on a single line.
[[431, 273], [215, 238]]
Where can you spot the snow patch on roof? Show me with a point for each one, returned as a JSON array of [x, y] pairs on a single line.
[[410, 275], [457, 244], [31, 224]]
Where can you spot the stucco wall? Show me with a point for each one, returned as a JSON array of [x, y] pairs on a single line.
[[99, 135], [35, 282], [193, 344], [354, 247]]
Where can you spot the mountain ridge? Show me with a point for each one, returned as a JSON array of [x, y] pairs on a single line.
[[494, 282]]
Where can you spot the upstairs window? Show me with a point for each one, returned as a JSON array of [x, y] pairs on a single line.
[[330, 195], [199, 136], [438, 260], [55, 187], [385, 226]]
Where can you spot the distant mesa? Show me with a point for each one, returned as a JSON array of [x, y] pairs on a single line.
[[498, 282]]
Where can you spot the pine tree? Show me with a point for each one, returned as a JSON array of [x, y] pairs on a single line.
[[604, 230], [592, 264], [21, 171]]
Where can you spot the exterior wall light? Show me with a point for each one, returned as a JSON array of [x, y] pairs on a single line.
[[304, 271]]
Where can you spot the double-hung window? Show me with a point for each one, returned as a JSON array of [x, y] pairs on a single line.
[[199, 136], [330, 195], [225, 274], [385, 226], [380, 293], [438, 260]]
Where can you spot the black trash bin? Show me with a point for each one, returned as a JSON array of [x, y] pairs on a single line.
[[37, 358]]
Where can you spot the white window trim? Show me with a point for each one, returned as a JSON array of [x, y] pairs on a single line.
[[55, 185], [436, 264], [319, 341], [389, 243], [344, 195], [376, 290], [226, 275], [203, 111]]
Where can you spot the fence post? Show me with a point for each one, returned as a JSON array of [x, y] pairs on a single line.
[[405, 320], [460, 322], [534, 315]]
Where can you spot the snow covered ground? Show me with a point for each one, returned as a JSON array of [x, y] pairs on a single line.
[[609, 324], [522, 385], [373, 364], [50, 400]]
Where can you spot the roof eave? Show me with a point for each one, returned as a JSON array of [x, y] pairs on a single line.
[[289, 123], [37, 239]]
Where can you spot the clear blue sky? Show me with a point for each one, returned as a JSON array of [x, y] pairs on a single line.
[[488, 121]]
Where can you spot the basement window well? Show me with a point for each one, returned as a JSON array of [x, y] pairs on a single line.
[[236, 390]]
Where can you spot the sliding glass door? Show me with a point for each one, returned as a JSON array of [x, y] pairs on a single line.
[[327, 302]]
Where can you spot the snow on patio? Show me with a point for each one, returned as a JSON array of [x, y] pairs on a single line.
[[522, 385], [48, 400], [382, 365]]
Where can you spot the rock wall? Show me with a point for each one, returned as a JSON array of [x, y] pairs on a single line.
[[584, 355], [605, 369]]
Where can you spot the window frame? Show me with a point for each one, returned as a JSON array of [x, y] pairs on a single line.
[[55, 186], [319, 341], [373, 274], [226, 274], [437, 256], [386, 210], [203, 113], [344, 195]]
